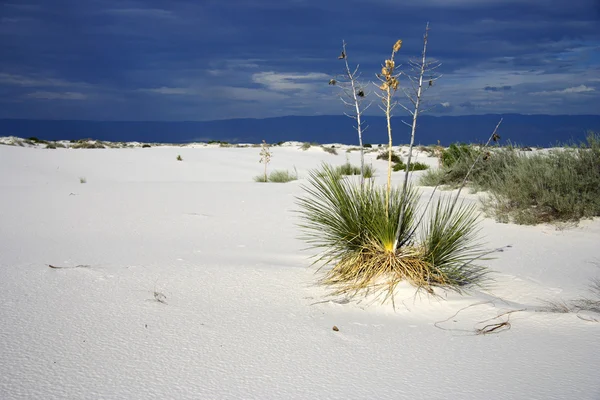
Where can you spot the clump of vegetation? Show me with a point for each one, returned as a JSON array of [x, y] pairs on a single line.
[[529, 188], [330, 150], [34, 139], [88, 144], [82, 179], [219, 142], [278, 176], [349, 169], [368, 146], [373, 237], [307, 145], [283, 176], [356, 230], [456, 152], [179, 157], [416, 166], [146, 146], [384, 155], [590, 303], [562, 185]]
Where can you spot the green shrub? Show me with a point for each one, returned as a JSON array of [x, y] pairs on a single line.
[[34, 139], [385, 156], [330, 150], [456, 152], [349, 224], [179, 158], [562, 185], [349, 169], [89, 145], [278, 176], [145, 146], [484, 173], [414, 166], [305, 146], [368, 145]]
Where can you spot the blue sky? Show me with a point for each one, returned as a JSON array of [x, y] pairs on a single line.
[[218, 59]]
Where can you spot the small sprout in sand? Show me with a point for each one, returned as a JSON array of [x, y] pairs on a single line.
[[179, 158], [82, 179], [161, 298]]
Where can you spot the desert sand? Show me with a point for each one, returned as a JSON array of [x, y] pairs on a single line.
[[187, 280]]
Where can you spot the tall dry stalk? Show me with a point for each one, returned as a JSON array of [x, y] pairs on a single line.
[[420, 67], [265, 157], [353, 95], [389, 84]]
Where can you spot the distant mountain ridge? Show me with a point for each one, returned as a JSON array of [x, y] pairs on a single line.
[[527, 130]]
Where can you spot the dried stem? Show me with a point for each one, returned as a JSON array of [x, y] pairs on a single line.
[[415, 115], [355, 95]]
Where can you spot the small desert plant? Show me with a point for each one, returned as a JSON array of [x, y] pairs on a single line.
[[416, 166], [590, 303], [265, 158], [34, 139], [455, 152], [384, 155], [305, 146], [84, 144], [282, 176], [349, 169], [350, 225], [330, 150], [51, 146], [82, 180], [278, 176], [179, 158], [146, 146]]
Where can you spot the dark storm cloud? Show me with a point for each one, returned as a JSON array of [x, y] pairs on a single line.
[[185, 59]]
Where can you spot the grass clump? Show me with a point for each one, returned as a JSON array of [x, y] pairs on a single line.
[[415, 166], [350, 225], [278, 176], [529, 188], [562, 185], [456, 152], [384, 156], [82, 179], [307, 145], [330, 150], [179, 158], [349, 169]]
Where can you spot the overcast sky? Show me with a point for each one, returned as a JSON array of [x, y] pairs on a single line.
[[219, 59]]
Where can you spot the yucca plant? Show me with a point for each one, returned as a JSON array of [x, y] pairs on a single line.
[[348, 224], [373, 237]]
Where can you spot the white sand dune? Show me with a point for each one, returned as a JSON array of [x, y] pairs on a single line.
[[241, 316]]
